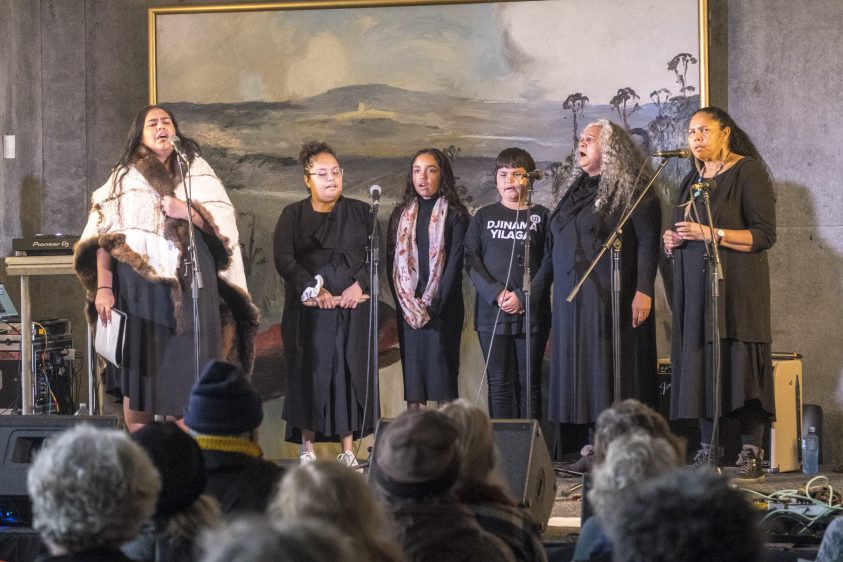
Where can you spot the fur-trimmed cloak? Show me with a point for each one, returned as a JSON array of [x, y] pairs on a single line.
[[127, 220]]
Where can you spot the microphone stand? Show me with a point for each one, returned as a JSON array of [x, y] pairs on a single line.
[[374, 289], [613, 241], [715, 276], [192, 260], [526, 288]]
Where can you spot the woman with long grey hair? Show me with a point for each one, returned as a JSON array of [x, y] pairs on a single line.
[[612, 171]]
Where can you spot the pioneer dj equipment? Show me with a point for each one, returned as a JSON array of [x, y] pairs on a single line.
[[45, 244]]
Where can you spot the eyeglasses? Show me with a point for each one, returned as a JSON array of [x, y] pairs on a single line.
[[323, 174]]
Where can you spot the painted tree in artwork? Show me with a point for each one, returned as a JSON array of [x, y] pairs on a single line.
[[575, 103], [679, 65], [625, 102], [660, 98]]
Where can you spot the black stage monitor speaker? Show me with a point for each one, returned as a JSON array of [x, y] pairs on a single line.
[[525, 464], [22, 436]]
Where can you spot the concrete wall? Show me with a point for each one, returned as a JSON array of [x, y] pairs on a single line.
[[73, 73], [784, 84]]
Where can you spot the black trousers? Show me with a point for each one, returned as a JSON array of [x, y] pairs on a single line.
[[506, 370]]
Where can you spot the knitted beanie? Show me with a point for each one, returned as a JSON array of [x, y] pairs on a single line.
[[223, 402], [179, 460]]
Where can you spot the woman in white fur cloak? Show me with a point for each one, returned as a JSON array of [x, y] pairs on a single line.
[[132, 257]]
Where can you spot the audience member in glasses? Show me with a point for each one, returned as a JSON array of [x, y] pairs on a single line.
[[320, 251]]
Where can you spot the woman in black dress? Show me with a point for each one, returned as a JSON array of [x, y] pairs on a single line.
[[494, 259], [425, 258], [743, 207], [320, 251], [581, 373]]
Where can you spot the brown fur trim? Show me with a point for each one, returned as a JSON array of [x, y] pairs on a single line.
[[219, 244]]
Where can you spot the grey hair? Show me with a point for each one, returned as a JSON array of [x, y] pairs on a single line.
[[687, 515], [329, 491], [630, 460], [91, 488], [621, 160], [255, 539], [479, 455], [627, 416]]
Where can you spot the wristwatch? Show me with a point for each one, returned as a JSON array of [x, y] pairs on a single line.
[[721, 234]]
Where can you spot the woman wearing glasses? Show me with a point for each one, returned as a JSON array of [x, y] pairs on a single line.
[[425, 258], [320, 252]]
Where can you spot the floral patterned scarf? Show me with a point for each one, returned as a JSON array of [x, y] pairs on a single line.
[[405, 271]]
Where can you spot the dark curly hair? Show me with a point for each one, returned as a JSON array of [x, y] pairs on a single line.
[[311, 149]]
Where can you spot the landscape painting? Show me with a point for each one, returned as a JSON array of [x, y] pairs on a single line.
[[379, 82]]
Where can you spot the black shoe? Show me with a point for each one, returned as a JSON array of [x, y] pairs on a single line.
[[749, 464]]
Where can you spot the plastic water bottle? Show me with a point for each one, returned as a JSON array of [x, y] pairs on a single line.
[[810, 452]]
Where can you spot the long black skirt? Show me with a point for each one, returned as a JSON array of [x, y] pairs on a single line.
[[158, 372]]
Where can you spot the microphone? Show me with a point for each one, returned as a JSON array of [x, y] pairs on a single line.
[[704, 185], [675, 153], [175, 142], [529, 176], [375, 192]]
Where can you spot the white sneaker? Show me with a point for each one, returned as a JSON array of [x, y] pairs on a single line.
[[307, 457], [347, 458]]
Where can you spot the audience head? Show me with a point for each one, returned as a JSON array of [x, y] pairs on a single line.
[[475, 442], [255, 539], [630, 459], [223, 402], [631, 416], [685, 516], [329, 491], [179, 461], [417, 456], [91, 488]]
